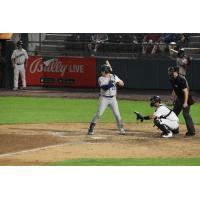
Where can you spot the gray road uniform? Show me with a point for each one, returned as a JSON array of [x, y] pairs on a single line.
[[108, 91]]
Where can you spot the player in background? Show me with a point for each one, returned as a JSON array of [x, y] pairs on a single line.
[[108, 90], [164, 118], [19, 59]]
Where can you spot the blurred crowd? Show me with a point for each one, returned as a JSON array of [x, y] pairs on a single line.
[[141, 43]]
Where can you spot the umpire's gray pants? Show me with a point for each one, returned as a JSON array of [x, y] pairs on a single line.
[[105, 102]]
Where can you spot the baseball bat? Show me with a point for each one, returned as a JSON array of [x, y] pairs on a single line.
[[108, 63], [174, 51]]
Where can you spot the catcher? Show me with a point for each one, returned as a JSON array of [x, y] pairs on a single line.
[[164, 118]]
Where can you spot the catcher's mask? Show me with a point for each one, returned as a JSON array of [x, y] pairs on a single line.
[[105, 68], [171, 71], [154, 100], [181, 53], [19, 43]]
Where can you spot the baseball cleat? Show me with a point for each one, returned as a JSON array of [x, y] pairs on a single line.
[[23, 88], [122, 131], [190, 134], [167, 135], [91, 133]]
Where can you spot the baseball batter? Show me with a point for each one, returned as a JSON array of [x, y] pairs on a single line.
[[164, 118], [19, 59], [108, 89]]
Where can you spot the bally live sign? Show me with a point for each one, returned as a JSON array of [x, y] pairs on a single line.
[[81, 70]]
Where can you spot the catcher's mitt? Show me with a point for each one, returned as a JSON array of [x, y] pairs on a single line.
[[139, 116]]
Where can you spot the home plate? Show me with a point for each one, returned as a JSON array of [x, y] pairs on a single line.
[[61, 134], [98, 137]]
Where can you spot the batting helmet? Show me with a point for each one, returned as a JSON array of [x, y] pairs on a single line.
[[105, 68], [154, 99], [19, 43]]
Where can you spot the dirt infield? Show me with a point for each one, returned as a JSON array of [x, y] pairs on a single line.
[[38, 144]]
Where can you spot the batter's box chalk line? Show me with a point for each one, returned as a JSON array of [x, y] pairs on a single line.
[[64, 133]]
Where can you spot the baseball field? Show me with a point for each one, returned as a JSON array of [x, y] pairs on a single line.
[[53, 131]]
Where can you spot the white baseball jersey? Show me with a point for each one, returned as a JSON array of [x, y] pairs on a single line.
[[105, 81], [20, 56], [162, 110]]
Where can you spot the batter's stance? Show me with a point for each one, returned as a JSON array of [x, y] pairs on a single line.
[[107, 82]]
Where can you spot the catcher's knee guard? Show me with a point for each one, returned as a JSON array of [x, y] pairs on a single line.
[[165, 129]]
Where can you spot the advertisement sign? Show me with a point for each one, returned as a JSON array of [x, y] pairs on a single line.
[[61, 71]]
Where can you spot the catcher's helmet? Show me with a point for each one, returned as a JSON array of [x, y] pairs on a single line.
[[19, 43], [154, 100], [105, 68]]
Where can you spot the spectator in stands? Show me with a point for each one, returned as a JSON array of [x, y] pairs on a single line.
[[183, 42], [172, 45], [134, 41], [173, 49], [179, 39], [183, 61], [150, 43], [127, 42], [97, 41], [171, 37]]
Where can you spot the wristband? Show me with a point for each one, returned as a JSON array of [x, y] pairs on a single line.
[[147, 117]]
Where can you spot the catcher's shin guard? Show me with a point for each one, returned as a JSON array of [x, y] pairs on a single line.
[[91, 128], [176, 131], [165, 129]]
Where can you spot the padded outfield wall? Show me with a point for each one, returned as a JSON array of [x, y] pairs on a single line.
[[141, 73], [150, 73]]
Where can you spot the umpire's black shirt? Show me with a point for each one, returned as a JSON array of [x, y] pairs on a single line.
[[178, 84]]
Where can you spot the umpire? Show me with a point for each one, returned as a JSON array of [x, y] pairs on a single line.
[[182, 98]]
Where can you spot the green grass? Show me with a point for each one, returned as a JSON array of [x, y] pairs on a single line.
[[14, 110], [131, 162]]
